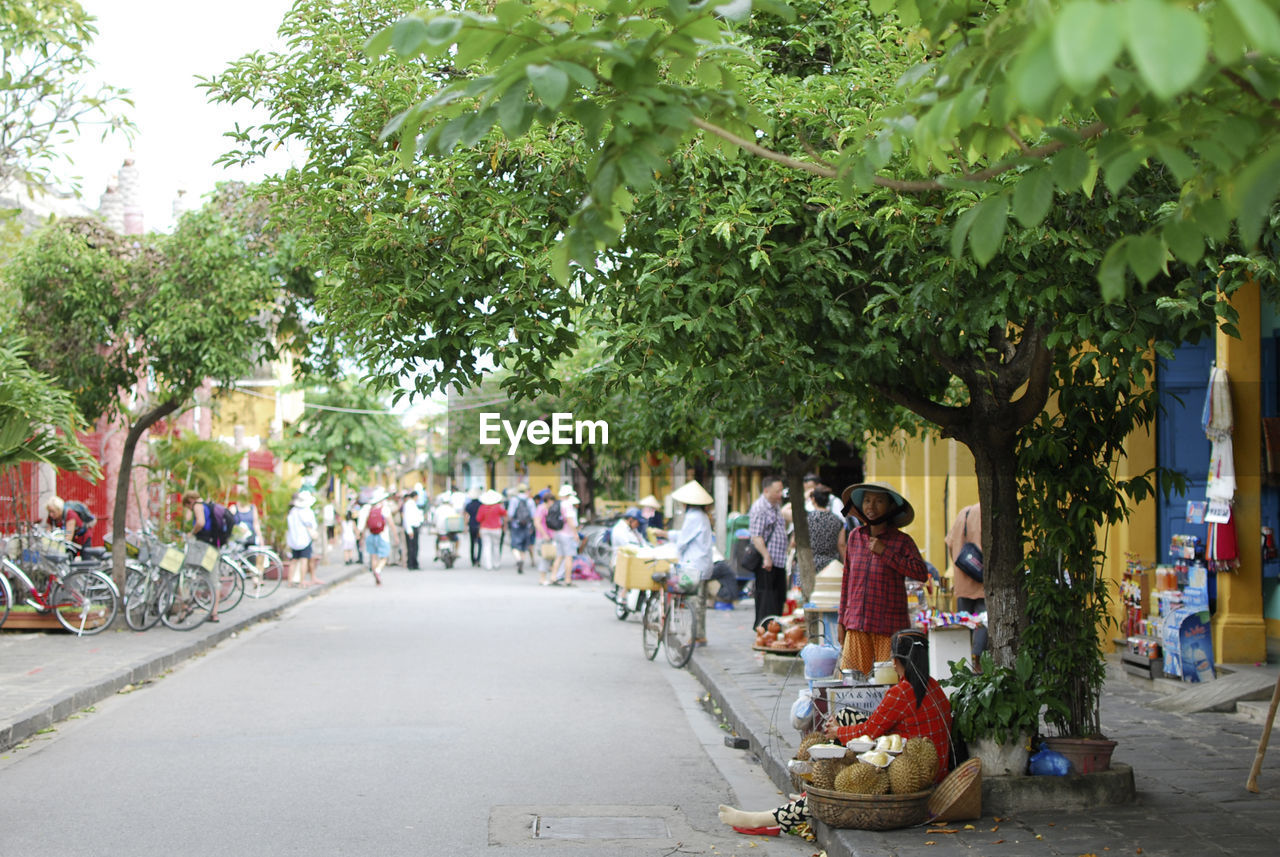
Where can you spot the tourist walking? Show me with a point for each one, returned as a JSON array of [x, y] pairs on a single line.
[[371, 527], [301, 533], [412, 519], [520, 521], [473, 525], [564, 513], [491, 516], [546, 544]]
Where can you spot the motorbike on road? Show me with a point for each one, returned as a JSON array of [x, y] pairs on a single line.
[[447, 548]]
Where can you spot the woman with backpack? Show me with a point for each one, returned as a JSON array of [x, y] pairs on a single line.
[[209, 527], [520, 517], [72, 516], [371, 526]]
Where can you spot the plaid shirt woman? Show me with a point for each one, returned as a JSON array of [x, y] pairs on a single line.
[[878, 558]]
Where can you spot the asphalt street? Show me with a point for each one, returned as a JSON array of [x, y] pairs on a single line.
[[451, 713]]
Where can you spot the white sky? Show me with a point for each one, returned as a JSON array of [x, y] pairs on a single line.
[[155, 48]]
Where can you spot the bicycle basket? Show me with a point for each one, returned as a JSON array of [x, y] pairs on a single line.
[[171, 560], [201, 554]]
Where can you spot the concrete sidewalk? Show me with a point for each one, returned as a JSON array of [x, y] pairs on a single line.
[[1189, 769], [47, 676]]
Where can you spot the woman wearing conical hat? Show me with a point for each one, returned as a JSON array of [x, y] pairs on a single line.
[[877, 560]]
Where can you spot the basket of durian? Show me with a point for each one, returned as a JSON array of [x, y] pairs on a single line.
[[874, 790]]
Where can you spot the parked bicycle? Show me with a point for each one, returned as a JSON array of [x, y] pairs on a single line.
[[668, 620], [37, 569], [258, 568]]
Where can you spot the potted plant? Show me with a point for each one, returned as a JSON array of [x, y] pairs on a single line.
[[996, 710], [1070, 492]]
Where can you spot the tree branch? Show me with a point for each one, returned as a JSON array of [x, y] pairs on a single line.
[[1039, 369], [761, 151], [943, 416], [902, 185]]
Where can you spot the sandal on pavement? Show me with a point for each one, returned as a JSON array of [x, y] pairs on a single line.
[[759, 831]]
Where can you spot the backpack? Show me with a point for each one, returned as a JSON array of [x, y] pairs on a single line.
[[218, 522], [82, 512], [376, 522], [522, 517], [555, 517]]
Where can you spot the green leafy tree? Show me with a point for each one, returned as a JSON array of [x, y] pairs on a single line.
[[427, 271], [44, 61], [157, 315], [346, 431]]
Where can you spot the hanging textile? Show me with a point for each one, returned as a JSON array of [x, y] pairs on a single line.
[[1222, 471], [1216, 416], [1222, 553]]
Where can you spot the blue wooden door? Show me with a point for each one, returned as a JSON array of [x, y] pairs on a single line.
[[1180, 441]]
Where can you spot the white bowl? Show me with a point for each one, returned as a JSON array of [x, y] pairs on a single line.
[[860, 746], [826, 751]]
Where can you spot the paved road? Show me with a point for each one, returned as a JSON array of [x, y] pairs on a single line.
[[441, 713]]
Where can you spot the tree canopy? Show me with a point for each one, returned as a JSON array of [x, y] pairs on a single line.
[[345, 431], [1055, 96]]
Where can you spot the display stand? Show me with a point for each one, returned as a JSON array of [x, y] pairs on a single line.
[[833, 694]]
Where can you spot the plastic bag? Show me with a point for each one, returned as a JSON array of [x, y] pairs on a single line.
[[1049, 763], [803, 712]]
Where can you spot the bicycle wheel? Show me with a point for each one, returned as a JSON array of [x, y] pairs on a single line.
[[678, 635], [6, 598], [651, 627], [263, 570], [140, 597], [231, 584], [85, 602], [186, 599]]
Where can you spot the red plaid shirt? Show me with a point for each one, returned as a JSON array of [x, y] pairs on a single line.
[[873, 597], [897, 713]]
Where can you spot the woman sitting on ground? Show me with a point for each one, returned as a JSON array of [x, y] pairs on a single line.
[[915, 707]]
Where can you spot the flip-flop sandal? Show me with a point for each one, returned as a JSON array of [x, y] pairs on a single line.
[[758, 831]]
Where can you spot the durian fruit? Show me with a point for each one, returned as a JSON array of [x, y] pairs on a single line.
[[825, 771], [808, 741], [861, 778], [922, 748], [915, 769]]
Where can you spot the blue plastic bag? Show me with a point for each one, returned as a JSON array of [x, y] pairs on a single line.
[[1048, 763]]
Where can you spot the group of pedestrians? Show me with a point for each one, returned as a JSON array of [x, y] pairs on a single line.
[[543, 529]]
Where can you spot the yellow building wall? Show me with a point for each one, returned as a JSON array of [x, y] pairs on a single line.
[[937, 476]]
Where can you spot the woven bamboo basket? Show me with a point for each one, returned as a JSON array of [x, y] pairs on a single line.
[[868, 812]]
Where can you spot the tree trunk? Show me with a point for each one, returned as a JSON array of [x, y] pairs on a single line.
[[1003, 581], [121, 505], [797, 466]]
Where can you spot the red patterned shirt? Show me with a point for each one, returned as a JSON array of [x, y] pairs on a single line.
[[873, 595], [897, 713]]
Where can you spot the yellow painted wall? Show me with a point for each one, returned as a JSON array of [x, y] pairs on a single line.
[[937, 477]]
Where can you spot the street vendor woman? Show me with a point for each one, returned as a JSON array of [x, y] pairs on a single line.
[[873, 595], [915, 707]]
